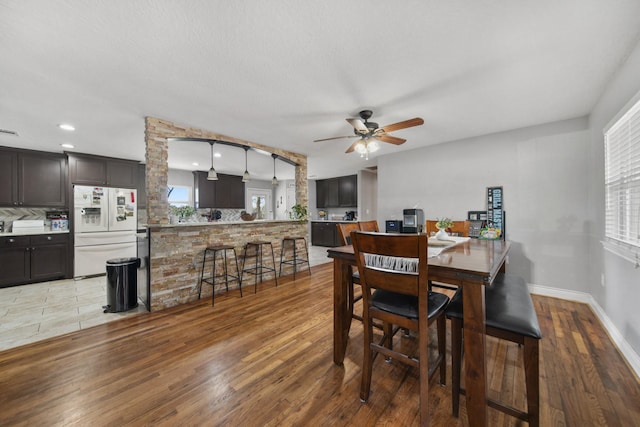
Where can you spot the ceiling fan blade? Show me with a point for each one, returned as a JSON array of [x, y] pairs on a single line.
[[335, 137], [358, 125], [353, 146], [390, 139], [417, 121]]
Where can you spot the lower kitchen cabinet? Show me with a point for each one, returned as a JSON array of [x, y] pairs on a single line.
[[27, 259], [324, 234]]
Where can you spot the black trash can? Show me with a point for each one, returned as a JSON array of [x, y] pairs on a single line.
[[122, 284]]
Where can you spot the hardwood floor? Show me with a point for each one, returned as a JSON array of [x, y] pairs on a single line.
[[266, 359]]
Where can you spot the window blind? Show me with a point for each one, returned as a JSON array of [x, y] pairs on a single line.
[[622, 179]]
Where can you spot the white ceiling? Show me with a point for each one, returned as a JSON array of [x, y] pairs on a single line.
[[283, 73]]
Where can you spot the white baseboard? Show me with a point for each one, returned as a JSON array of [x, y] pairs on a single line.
[[632, 358]]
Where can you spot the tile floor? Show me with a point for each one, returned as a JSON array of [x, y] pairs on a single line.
[[37, 311]]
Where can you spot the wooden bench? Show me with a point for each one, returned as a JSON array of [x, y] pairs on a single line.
[[510, 315]]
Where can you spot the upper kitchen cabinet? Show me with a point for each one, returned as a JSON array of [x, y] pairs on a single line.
[[348, 191], [32, 179], [230, 192], [321, 193], [225, 193], [142, 186], [96, 170], [337, 192], [204, 191]]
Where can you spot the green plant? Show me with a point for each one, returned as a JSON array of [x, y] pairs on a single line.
[[299, 212], [182, 211], [444, 223]]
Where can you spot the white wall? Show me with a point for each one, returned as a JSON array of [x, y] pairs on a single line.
[[620, 295], [368, 196], [543, 171]]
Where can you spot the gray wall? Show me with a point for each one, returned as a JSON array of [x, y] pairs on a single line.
[[543, 172], [553, 179], [620, 294]]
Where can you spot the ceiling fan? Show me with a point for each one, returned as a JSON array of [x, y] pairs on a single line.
[[369, 133]]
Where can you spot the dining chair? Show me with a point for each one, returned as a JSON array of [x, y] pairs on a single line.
[[510, 315], [344, 231], [460, 228], [371, 225], [393, 277], [344, 234]]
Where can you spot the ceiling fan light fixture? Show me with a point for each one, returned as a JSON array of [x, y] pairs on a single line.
[[373, 146], [212, 175], [361, 147]]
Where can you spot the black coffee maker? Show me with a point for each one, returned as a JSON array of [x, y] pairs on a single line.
[[412, 221], [350, 216]]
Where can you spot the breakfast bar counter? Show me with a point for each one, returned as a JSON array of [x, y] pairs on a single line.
[[176, 252]]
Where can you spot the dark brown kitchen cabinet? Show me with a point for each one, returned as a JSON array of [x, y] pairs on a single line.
[[8, 178], [337, 192], [321, 193], [333, 190], [225, 193], [86, 169], [27, 259], [348, 191], [230, 192], [204, 191], [142, 186], [324, 234], [32, 179]]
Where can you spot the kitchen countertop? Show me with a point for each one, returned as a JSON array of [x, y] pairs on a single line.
[[33, 232], [220, 223]]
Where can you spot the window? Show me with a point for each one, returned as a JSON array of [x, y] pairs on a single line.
[[180, 196], [622, 180]]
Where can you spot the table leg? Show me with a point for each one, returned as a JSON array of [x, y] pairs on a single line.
[[475, 354], [341, 310]]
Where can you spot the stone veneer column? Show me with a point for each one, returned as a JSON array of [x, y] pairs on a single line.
[[156, 133]]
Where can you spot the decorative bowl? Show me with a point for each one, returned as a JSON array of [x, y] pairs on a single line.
[[247, 217]]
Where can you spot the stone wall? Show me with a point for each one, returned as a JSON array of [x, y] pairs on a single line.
[[176, 256], [176, 252]]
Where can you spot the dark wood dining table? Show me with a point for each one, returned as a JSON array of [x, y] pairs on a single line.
[[472, 265]]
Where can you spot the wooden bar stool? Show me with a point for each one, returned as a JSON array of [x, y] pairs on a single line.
[[255, 250], [292, 241], [211, 280]]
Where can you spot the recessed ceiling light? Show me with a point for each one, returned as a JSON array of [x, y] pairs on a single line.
[[217, 155], [195, 164], [66, 126], [66, 145]]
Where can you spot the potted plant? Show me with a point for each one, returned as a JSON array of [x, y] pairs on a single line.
[[182, 212], [443, 224], [299, 212]]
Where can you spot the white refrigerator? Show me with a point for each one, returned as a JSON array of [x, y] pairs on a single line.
[[105, 224]]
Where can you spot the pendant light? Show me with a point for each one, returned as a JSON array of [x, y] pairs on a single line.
[[274, 180], [212, 175], [245, 176]]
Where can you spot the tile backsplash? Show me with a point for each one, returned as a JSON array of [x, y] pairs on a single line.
[[8, 215]]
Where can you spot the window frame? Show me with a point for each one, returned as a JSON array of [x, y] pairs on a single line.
[[622, 183], [179, 203]]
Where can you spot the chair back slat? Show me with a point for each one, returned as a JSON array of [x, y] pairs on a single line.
[[411, 246]]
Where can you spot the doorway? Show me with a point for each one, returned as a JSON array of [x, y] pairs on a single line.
[[258, 201]]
